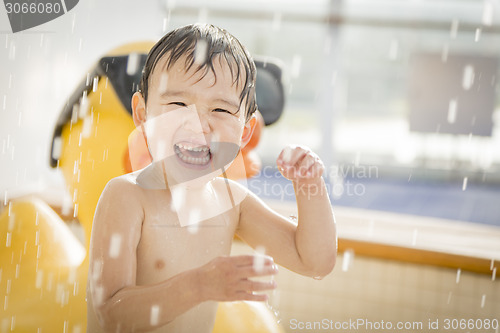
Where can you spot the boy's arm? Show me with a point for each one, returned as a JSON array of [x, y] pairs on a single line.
[[309, 248], [122, 305]]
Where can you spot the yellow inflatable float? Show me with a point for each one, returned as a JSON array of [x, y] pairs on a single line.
[[43, 266]]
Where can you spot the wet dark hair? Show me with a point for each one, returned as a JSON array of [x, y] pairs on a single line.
[[183, 41]]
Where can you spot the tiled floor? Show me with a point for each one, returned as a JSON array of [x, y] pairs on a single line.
[[375, 290]]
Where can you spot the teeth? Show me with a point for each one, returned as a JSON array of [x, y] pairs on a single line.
[[195, 160], [196, 149], [190, 159]]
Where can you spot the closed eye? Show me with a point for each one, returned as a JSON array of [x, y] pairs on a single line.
[[178, 103], [222, 110]]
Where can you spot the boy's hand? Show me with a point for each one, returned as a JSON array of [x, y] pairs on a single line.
[[227, 278], [299, 163]]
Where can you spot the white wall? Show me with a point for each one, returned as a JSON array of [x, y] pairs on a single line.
[[40, 68]]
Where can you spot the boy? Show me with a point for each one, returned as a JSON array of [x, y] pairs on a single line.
[[161, 238]]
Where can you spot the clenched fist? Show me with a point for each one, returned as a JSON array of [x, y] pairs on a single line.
[[299, 163]]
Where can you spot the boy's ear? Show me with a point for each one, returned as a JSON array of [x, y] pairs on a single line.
[[138, 109], [248, 130]]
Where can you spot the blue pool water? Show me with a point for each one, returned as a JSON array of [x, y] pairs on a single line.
[[478, 203]]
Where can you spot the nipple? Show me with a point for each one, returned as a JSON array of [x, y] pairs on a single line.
[[159, 264]]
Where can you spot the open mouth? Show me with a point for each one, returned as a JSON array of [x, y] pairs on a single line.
[[193, 154]]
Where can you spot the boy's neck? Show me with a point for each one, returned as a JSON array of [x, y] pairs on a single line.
[[193, 202], [154, 177]]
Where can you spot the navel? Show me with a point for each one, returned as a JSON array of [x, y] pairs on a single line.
[[159, 264]]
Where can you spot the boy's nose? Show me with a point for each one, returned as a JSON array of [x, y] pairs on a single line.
[[195, 121]]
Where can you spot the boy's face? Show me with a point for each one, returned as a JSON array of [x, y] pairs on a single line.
[[194, 122]]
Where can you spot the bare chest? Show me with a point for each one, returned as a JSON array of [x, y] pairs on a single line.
[[166, 248]]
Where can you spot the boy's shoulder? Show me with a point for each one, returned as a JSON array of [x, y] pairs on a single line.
[[124, 184], [237, 192], [124, 181]]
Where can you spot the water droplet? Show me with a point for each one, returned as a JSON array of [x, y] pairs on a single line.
[[203, 15], [483, 300], [97, 270], [464, 184], [371, 228], [73, 20], [258, 262], [133, 63], [9, 283], [415, 235], [95, 84], [165, 22], [452, 111], [160, 150], [494, 274], [98, 295], [286, 155], [454, 28], [87, 126], [193, 221], [296, 65], [347, 258], [154, 315], [162, 86], [487, 18], [12, 222], [115, 245], [39, 279], [8, 239], [66, 205], [457, 279], [468, 77], [178, 197], [357, 159], [200, 52], [83, 108], [12, 51], [171, 4], [477, 35]]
